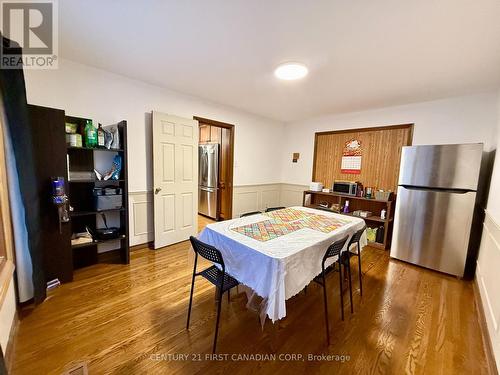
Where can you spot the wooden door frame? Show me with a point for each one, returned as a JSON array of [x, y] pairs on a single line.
[[359, 130], [230, 127]]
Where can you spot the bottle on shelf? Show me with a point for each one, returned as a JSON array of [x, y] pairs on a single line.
[[90, 135], [346, 207], [100, 136]]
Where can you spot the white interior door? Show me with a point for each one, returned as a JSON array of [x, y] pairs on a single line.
[[175, 178]]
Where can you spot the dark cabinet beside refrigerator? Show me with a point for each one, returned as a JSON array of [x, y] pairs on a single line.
[[52, 155]]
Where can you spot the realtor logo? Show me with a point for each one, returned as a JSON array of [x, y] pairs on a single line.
[[31, 25]]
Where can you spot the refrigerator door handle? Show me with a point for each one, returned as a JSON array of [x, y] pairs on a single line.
[[432, 189]]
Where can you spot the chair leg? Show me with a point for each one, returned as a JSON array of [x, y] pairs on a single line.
[[350, 283], [325, 300], [190, 302], [341, 292], [217, 321], [359, 271]]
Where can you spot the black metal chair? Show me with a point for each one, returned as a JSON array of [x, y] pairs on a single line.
[[250, 213], [269, 209], [216, 276], [334, 250], [355, 240]]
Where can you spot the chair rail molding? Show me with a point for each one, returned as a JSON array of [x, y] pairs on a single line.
[[246, 198]]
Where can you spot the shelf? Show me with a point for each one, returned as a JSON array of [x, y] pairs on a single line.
[[87, 213], [347, 196], [95, 149], [318, 207], [88, 181], [369, 218], [97, 242]]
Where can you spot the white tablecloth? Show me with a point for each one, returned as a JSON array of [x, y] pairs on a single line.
[[279, 268]]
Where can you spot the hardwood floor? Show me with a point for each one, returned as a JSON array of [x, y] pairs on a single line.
[[131, 320]]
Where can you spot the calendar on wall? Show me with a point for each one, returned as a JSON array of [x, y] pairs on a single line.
[[351, 159]]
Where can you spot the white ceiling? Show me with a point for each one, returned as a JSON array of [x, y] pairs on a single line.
[[361, 54]]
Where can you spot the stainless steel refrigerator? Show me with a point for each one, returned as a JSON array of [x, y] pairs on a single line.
[[208, 179], [435, 205]]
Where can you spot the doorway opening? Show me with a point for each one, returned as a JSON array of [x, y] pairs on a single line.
[[216, 156]]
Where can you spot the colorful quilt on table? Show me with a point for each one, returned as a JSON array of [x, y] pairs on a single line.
[[267, 230], [288, 214], [323, 223], [282, 223]]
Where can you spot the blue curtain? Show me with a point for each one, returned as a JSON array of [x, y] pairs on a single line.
[[24, 194], [24, 268]]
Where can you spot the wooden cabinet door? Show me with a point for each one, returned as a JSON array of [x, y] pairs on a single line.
[[215, 134], [204, 133]]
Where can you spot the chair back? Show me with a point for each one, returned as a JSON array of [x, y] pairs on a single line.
[[356, 236], [335, 248], [269, 209], [206, 251], [250, 213]]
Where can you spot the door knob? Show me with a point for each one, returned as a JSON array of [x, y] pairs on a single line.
[[157, 190]]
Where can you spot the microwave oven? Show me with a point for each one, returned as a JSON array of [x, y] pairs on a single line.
[[342, 187]]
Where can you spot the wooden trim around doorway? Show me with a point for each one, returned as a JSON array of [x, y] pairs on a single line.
[[225, 125]]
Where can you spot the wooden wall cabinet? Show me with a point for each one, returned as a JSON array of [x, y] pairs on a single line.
[[204, 133]]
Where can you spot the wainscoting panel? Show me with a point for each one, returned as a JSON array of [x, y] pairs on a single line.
[[141, 217], [246, 198], [291, 195], [488, 280]]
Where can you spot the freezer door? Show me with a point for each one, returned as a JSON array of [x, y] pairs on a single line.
[[441, 166], [432, 227], [207, 202], [208, 155]]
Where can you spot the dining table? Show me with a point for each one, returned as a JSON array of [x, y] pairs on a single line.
[[277, 254]]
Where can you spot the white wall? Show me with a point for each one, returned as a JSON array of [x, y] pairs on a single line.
[[453, 120], [488, 263], [494, 199], [108, 98]]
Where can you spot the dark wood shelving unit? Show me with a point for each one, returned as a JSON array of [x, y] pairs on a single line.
[[313, 199], [84, 213], [94, 181], [97, 242], [87, 213], [71, 148], [59, 257]]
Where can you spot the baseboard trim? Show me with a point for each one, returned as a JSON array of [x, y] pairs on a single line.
[[485, 336], [11, 343], [147, 245]]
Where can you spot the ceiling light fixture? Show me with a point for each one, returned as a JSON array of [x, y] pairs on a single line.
[[290, 71]]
